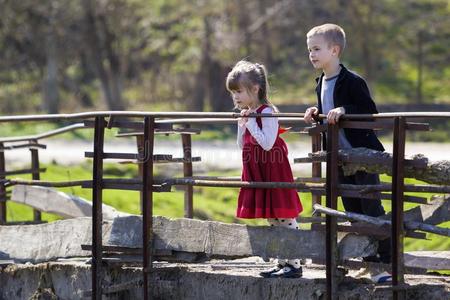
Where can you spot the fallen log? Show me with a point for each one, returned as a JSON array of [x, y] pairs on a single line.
[[372, 161], [52, 201], [411, 225], [64, 238]]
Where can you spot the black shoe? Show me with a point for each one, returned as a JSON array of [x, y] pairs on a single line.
[[288, 271], [372, 258], [266, 274]]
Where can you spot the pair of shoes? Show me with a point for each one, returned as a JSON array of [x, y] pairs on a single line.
[[381, 277], [288, 271], [266, 274]]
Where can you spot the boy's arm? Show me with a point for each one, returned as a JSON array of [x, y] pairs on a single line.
[[267, 135], [363, 102]]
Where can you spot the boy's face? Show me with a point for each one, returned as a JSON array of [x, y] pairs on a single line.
[[321, 54]]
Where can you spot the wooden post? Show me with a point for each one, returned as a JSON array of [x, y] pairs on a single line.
[[97, 189], [331, 202], [147, 201], [187, 171], [398, 231], [37, 216], [316, 169], [2, 187], [140, 149]]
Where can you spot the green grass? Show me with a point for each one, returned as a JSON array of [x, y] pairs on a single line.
[[217, 204]]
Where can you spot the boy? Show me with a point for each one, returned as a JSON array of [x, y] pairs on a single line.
[[339, 92]]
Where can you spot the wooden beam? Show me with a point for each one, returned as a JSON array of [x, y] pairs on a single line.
[[213, 239], [372, 161], [435, 212], [382, 222], [62, 204]]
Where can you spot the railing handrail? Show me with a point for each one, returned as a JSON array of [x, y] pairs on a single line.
[[227, 115], [42, 135]]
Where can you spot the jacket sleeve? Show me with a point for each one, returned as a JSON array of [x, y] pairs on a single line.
[[362, 101], [267, 135]]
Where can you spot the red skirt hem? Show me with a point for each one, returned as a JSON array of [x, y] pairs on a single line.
[[261, 214]]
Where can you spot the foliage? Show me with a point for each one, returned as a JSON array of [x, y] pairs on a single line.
[[67, 56]]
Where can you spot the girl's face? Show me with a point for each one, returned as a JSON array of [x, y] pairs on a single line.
[[244, 98]]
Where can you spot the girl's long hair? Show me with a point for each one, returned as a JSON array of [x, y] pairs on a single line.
[[246, 74]]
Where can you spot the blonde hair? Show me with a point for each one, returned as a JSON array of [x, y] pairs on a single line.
[[333, 34], [246, 74]]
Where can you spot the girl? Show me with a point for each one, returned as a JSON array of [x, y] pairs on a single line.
[[264, 156]]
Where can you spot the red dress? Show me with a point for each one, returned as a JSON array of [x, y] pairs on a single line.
[[261, 165]]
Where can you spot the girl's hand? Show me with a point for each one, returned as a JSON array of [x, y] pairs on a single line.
[[243, 120]]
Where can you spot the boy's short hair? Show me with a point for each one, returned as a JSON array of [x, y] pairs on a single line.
[[332, 33]]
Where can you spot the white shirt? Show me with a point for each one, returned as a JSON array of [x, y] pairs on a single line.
[[265, 136], [326, 96]]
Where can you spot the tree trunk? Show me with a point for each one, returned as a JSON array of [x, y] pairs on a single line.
[[75, 87], [197, 102], [50, 83], [109, 77], [367, 44], [243, 27], [114, 71], [419, 97], [268, 58], [220, 99]]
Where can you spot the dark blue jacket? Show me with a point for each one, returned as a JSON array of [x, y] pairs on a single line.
[[352, 93]]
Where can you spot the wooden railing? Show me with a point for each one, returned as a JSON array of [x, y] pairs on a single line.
[[32, 143], [145, 125]]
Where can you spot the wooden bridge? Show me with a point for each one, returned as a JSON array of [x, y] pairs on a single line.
[[145, 125]]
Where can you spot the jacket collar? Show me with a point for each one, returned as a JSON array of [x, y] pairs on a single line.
[[341, 75]]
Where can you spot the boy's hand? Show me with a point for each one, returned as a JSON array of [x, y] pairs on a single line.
[[310, 113], [334, 115], [243, 120]]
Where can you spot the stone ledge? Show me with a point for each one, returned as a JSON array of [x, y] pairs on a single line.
[[217, 279]]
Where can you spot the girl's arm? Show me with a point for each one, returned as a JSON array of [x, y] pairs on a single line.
[[267, 135], [241, 128], [240, 134]]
